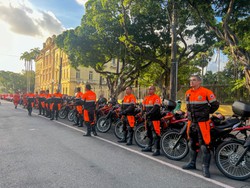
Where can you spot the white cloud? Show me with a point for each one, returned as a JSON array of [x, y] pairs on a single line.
[[81, 2], [24, 19], [23, 27]]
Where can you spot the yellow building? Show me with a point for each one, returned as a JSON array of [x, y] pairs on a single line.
[[48, 72]]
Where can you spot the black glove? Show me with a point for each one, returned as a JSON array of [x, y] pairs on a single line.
[[122, 113], [147, 115]]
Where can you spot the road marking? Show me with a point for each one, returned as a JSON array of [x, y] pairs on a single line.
[[151, 158], [146, 156]]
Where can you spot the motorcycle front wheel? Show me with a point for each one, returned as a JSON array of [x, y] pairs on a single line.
[[140, 136], [226, 157], [174, 146], [103, 124], [63, 113], [71, 115]]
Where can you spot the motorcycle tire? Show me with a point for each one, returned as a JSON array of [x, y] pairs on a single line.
[[140, 137], [71, 115], [103, 124], [63, 113], [226, 156], [119, 130], [168, 142]]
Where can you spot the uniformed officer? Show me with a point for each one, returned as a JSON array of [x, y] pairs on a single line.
[[56, 104], [128, 118], [89, 103], [151, 105], [200, 103]]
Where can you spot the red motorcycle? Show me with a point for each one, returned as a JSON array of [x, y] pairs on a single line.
[[104, 123], [169, 121]]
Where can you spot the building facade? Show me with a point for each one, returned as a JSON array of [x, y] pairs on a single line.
[[48, 72]]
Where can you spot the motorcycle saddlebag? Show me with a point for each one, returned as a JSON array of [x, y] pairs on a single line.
[[241, 108]]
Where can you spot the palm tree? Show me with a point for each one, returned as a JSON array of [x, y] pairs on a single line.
[[25, 57], [33, 54], [28, 58]]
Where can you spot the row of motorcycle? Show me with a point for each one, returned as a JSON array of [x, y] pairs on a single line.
[[230, 138]]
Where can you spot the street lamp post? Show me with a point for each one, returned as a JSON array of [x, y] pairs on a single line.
[[52, 89], [60, 75]]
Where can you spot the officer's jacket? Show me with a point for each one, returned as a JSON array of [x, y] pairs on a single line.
[[57, 97], [48, 98], [128, 104], [89, 100], [41, 97], [200, 103], [31, 97], [78, 101], [152, 105]]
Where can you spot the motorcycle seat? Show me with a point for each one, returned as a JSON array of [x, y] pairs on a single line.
[[227, 123]]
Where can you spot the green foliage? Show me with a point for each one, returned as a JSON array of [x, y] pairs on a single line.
[[11, 82]]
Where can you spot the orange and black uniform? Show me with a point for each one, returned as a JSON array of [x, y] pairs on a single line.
[[41, 104], [16, 99], [89, 103], [31, 101], [56, 105], [79, 109], [128, 118], [47, 104], [200, 103], [151, 105]]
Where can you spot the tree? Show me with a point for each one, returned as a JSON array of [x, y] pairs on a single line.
[[232, 31], [12, 82], [135, 33], [28, 58], [192, 36]]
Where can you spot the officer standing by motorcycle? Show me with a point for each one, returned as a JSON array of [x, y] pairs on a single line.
[[151, 105], [200, 103], [128, 118], [31, 102], [41, 99], [79, 109], [56, 104], [48, 97], [89, 103]]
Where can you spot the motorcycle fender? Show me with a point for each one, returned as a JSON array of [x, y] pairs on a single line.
[[247, 143], [184, 129]]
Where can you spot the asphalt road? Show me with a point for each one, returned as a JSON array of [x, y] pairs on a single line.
[[37, 152]]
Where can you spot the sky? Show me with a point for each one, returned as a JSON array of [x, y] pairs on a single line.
[[26, 24]]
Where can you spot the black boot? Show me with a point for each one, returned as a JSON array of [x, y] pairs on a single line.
[[192, 162], [77, 121], [148, 148], [130, 137], [157, 146], [57, 112], [80, 121], [206, 157], [94, 130], [52, 115], [88, 129], [124, 138]]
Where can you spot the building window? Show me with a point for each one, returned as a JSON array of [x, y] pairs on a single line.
[[66, 92], [78, 74], [90, 75]]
